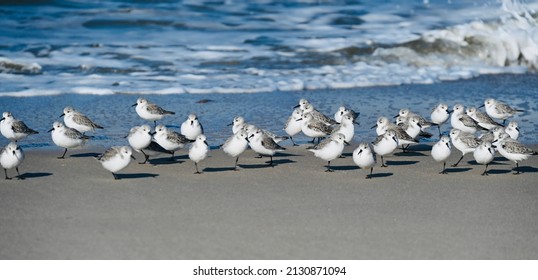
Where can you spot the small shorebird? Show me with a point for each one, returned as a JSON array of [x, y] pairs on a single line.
[[192, 127], [116, 158], [149, 111], [441, 151], [67, 137], [11, 156], [499, 110], [14, 129], [440, 115], [236, 145], [330, 149], [198, 151], [78, 121], [484, 154], [364, 158]]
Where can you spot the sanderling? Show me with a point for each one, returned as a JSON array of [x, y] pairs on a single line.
[[462, 121], [198, 151], [14, 129], [512, 129], [406, 113], [482, 119], [263, 144], [116, 158], [317, 115], [484, 154], [404, 139], [440, 115], [67, 137], [382, 125], [463, 141], [346, 127], [513, 150], [330, 149], [140, 137], [170, 140], [302, 104], [78, 121], [314, 128], [364, 158], [192, 127], [236, 145], [153, 149], [11, 156], [499, 110], [342, 111], [441, 151], [150, 111], [237, 124], [385, 144], [293, 126]]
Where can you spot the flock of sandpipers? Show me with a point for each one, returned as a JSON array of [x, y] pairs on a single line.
[[332, 135]]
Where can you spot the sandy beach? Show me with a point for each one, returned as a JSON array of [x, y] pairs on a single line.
[[73, 209]]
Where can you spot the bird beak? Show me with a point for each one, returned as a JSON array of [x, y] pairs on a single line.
[[192, 122], [517, 128], [360, 152], [481, 105], [299, 119], [230, 124], [133, 157], [449, 111], [420, 126], [345, 142], [396, 116], [246, 138], [51, 129], [134, 104], [373, 126], [205, 142], [152, 133], [61, 115], [2, 119], [395, 140], [296, 106]]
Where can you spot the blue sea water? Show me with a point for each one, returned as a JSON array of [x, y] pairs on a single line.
[[173, 47]]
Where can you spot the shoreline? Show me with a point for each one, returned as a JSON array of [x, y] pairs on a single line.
[[73, 209]]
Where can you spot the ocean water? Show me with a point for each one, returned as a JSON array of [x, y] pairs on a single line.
[[174, 47]]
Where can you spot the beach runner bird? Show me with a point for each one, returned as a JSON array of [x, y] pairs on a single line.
[[66, 137], [235, 145], [330, 149], [512, 129], [364, 158], [464, 142], [342, 110], [314, 128], [440, 115], [293, 125], [484, 154], [346, 127], [76, 120], [198, 151], [499, 110], [149, 111], [513, 150], [482, 119], [139, 138], [11, 156], [170, 140], [14, 129], [263, 144], [441, 151], [460, 120], [192, 127], [385, 144], [116, 158]]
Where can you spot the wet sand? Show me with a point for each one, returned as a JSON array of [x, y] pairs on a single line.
[[73, 209]]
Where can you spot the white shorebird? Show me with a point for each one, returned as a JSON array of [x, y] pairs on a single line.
[[330, 149], [314, 128], [364, 158], [67, 137], [484, 154], [440, 115], [149, 111], [14, 129], [512, 129], [11, 156], [302, 104], [385, 144], [170, 140], [513, 150], [482, 119], [404, 139], [75, 119], [462, 121], [317, 115], [346, 127], [464, 142], [140, 138], [293, 126], [342, 111], [406, 113], [198, 151], [192, 127], [116, 158], [237, 124], [263, 144], [499, 110], [441, 151], [236, 145]]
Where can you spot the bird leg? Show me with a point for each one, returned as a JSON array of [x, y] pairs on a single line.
[[294, 144], [115, 176], [517, 169], [271, 161], [235, 167], [444, 169], [197, 172], [370, 176], [5, 171], [456, 164], [19, 174], [485, 173], [63, 156], [329, 167], [382, 162], [146, 157]]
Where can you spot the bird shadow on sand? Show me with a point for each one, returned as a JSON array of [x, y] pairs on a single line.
[[526, 169], [344, 167], [276, 162], [220, 169], [30, 175], [163, 161], [85, 155], [136, 175], [286, 155], [498, 171], [401, 162], [457, 169], [410, 153]]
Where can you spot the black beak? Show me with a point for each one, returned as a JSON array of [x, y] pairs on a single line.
[[246, 138], [481, 105], [300, 119], [449, 111], [134, 104], [61, 115], [395, 140], [420, 126], [51, 129], [205, 142], [13, 152], [345, 142], [152, 133], [2, 119], [360, 152], [396, 116], [192, 122], [373, 126], [230, 124], [517, 128], [133, 157], [296, 106]]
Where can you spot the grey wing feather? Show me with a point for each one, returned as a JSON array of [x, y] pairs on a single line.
[[378, 139], [75, 134], [321, 117], [20, 127], [516, 148], [154, 109], [319, 126], [108, 154], [470, 141], [270, 144], [401, 134], [177, 138], [83, 120], [503, 108], [468, 121]]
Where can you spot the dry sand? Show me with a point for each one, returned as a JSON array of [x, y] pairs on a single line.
[[73, 209]]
